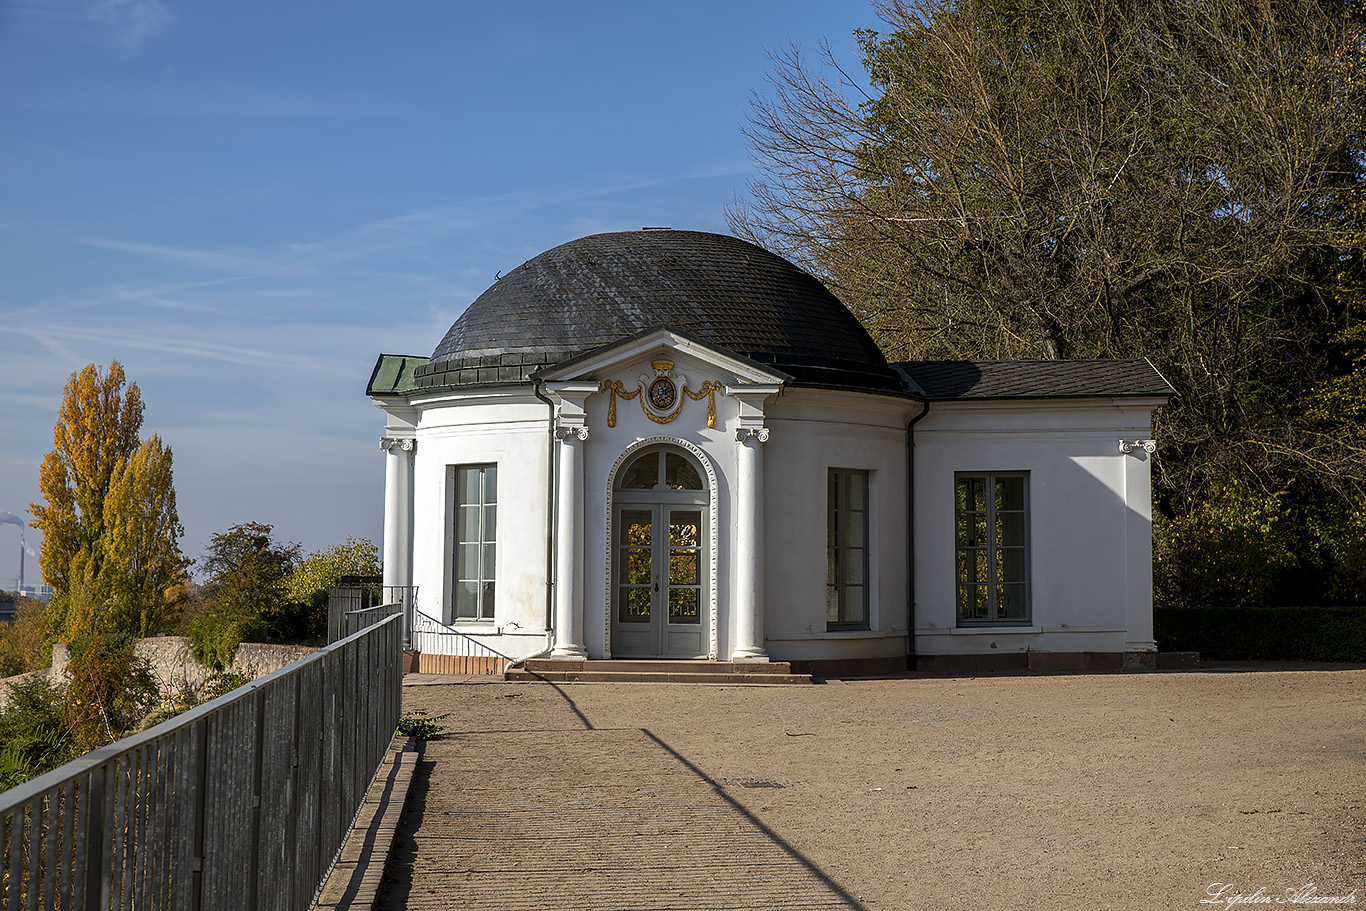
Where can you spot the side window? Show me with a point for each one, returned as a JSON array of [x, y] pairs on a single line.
[[474, 536], [846, 550], [991, 516]]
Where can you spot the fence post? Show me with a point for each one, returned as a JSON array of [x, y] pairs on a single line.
[[258, 759], [201, 789], [96, 884]]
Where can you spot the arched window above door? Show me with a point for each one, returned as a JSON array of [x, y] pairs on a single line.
[[660, 469]]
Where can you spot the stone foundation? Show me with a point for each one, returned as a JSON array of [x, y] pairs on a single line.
[[1045, 662], [850, 667]]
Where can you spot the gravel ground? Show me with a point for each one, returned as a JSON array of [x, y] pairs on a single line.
[[1058, 792]]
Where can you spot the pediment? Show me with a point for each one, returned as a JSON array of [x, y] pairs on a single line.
[[630, 355]]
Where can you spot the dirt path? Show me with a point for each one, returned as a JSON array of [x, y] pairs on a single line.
[[1115, 791]]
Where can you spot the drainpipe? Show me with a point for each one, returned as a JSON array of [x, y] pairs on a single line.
[[910, 535], [549, 538]]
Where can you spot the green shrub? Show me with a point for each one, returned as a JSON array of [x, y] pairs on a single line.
[[1229, 550], [34, 735], [1264, 633], [216, 631], [421, 725], [109, 688], [1340, 538], [223, 682]]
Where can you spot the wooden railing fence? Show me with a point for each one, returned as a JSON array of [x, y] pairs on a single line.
[[241, 803]]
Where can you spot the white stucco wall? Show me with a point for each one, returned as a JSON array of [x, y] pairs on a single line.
[[814, 431], [1089, 522], [509, 430]]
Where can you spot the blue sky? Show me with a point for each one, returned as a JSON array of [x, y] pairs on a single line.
[[247, 202]]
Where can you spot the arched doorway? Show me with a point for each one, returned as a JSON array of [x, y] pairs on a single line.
[[660, 555]]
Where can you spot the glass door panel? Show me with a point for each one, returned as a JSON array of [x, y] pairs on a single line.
[[635, 565], [685, 559], [659, 577]]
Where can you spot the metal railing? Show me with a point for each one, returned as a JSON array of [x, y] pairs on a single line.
[[241, 803], [353, 621], [352, 598]]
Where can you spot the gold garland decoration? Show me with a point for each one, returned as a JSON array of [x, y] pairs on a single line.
[[708, 392], [616, 388]]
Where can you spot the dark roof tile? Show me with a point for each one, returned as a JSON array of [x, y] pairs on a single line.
[[1135, 377], [597, 290]]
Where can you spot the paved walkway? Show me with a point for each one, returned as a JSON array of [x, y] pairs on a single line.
[[571, 817]]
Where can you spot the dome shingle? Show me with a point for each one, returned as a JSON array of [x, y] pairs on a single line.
[[600, 289]]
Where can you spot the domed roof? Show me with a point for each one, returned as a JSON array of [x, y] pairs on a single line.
[[601, 289]]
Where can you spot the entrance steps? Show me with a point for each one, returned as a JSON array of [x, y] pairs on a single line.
[[588, 670]]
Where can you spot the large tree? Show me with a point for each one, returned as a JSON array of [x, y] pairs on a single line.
[[110, 528], [246, 596], [1091, 178]]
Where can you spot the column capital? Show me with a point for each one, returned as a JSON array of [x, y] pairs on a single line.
[[571, 411], [389, 444], [1128, 446], [752, 398]]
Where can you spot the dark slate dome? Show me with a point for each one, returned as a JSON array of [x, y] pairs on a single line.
[[601, 289]]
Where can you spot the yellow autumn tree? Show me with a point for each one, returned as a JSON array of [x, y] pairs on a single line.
[[110, 528], [142, 558]]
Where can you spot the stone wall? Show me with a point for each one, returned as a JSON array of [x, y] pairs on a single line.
[[173, 664]]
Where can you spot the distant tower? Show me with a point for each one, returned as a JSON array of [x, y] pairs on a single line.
[[22, 548]]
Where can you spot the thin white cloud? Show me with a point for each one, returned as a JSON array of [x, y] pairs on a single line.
[[125, 25], [236, 262], [216, 99], [49, 336]]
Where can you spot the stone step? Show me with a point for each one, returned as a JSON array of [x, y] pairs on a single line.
[[646, 665], [644, 676]]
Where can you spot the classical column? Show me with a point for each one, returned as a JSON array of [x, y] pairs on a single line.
[[398, 510], [749, 546], [750, 435], [569, 544]]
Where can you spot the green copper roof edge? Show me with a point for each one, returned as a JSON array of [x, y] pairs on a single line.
[[394, 374]]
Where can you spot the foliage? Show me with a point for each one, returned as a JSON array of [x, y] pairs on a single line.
[[143, 561], [215, 634], [312, 576], [421, 725], [1340, 546], [1229, 550], [21, 643], [221, 683], [247, 569], [110, 528], [1085, 178], [109, 688], [34, 735], [1264, 633], [245, 594]]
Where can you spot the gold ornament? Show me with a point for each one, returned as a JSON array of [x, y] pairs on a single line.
[[617, 388]]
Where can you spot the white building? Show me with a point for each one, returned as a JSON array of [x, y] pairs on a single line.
[[677, 445]]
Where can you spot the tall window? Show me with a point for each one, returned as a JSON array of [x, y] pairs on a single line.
[[992, 517], [476, 524], [846, 550]]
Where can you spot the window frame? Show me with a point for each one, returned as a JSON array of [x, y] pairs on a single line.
[[837, 549], [992, 550], [485, 585]]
